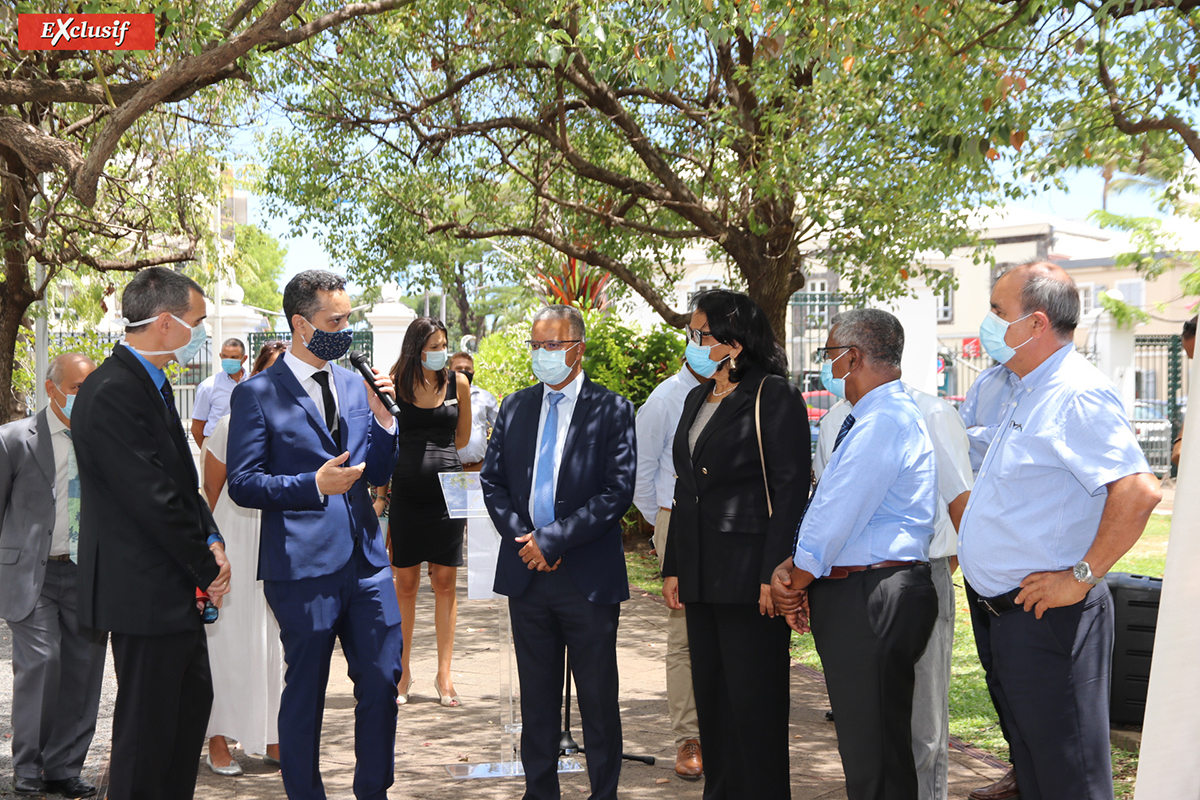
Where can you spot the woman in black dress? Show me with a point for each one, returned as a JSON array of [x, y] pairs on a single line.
[[435, 420]]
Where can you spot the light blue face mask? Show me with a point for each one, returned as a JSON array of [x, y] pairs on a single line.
[[991, 335], [66, 410], [184, 354], [434, 360], [700, 361], [551, 367], [232, 366], [835, 386]]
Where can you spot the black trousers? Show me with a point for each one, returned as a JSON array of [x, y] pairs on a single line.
[[870, 629], [1050, 681], [164, 695], [550, 618], [740, 666]]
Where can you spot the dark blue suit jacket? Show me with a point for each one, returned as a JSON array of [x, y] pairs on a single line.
[[277, 442], [595, 489]]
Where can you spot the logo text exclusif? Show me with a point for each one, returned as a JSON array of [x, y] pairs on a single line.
[[85, 32]]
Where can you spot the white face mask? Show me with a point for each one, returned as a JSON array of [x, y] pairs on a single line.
[[184, 354]]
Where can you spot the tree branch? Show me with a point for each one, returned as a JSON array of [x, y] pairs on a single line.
[[307, 31], [1168, 122], [584, 254], [37, 151]]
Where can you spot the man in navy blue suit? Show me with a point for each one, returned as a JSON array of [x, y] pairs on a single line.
[[305, 439], [557, 478]]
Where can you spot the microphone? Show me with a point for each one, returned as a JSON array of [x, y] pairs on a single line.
[[359, 359]]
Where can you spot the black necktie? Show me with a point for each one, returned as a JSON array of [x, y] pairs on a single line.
[[331, 418], [168, 395], [847, 424]]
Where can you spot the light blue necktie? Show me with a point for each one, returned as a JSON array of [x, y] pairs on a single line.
[[72, 500], [543, 482]]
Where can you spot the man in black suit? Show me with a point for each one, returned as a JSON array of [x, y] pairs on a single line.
[[147, 541], [557, 478]]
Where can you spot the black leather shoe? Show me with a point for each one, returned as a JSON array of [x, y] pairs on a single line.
[[28, 787], [71, 787]]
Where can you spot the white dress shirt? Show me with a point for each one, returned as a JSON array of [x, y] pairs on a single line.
[[304, 373], [566, 407], [950, 451], [657, 420], [212, 399], [60, 441], [484, 410]]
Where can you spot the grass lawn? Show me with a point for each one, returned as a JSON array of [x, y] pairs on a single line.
[[972, 717]]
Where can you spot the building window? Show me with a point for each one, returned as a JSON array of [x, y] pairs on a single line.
[[945, 305], [1087, 298], [1134, 292]]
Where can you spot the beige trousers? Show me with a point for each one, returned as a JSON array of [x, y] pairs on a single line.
[[681, 700]]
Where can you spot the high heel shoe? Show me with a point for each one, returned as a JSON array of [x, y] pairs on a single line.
[[232, 770], [447, 700], [402, 697]]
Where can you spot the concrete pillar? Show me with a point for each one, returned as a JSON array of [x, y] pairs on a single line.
[[918, 315], [389, 321], [236, 320], [1115, 351]]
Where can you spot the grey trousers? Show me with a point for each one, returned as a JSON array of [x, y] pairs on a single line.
[[931, 693], [57, 673], [681, 698]]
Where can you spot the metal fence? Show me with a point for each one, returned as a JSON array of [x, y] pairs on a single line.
[[363, 340], [1161, 390], [810, 315]]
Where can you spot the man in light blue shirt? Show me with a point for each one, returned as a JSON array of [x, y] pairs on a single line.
[[212, 395], [987, 402], [653, 493], [931, 698], [1062, 494], [861, 556]]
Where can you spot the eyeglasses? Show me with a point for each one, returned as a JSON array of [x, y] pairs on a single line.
[[696, 336], [552, 345], [822, 353]]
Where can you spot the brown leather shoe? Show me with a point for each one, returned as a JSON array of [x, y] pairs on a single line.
[[1003, 789], [688, 763]]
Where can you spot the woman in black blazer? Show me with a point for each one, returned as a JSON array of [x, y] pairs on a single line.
[[727, 535]]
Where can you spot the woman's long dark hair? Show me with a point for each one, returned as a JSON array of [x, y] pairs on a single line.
[[264, 356], [406, 372], [734, 317]]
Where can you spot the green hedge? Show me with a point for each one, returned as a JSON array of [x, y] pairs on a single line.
[[619, 357]]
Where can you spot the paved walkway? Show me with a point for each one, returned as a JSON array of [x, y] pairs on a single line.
[[431, 737]]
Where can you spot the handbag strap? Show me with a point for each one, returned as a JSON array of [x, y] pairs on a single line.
[[761, 456]]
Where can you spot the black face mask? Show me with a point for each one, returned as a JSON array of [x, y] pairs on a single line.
[[470, 375]]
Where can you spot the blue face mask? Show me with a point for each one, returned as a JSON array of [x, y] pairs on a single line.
[[991, 335], [66, 410], [699, 360], [184, 354], [329, 345], [434, 360], [551, 367], [232, 366], [835, 386]]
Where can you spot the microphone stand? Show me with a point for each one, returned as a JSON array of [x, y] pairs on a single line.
[[566, 743]]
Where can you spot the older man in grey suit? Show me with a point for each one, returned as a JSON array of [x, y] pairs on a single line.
[[57, 665]]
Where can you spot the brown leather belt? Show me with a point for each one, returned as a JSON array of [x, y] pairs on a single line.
[[837, 573], [478, 465], [59, 558]]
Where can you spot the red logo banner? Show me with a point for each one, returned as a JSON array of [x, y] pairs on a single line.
[[85, 32]]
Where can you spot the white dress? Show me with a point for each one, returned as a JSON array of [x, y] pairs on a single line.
[[244, 650]]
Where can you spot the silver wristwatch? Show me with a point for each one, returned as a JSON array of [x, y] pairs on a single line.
[[1083, 573]]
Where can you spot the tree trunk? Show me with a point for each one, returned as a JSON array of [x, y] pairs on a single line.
[[17, 294]]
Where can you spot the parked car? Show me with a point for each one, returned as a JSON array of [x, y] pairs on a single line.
[[1153, 429], [819, 402]]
